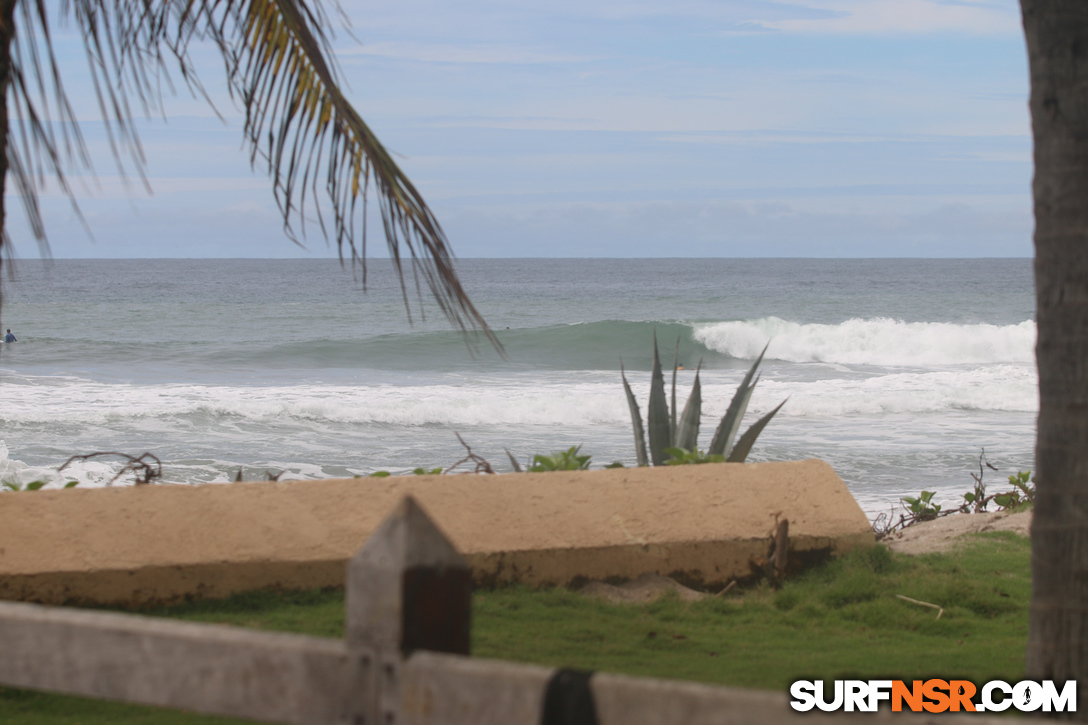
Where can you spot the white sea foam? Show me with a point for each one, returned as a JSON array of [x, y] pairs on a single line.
[[236, 372], [559, 400], [999, 388], [91, 403], [16, 475], [877, 341]]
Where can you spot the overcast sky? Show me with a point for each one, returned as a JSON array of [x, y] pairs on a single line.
[[628, 128]]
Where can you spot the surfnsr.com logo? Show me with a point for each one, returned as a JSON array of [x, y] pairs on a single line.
[[934, 696]]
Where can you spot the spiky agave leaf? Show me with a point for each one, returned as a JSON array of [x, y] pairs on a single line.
[[727, 429], [513, 461], [687, 434], [299, 125], [744, 445], [672, 418], [636, 421], [657, 413], [722, 442]]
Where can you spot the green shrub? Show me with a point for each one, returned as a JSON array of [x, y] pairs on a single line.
[[922, 506], [568, 460]]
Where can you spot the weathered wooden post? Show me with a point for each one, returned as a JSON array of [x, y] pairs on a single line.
[[407, 589]]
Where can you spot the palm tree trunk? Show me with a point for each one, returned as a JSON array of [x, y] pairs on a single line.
[[1057, 41]]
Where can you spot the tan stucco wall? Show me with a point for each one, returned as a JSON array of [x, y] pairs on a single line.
[[159, 543]]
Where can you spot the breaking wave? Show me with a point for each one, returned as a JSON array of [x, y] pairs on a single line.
[[877, 341]]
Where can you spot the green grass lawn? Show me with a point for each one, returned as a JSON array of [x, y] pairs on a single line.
[[842, 620]]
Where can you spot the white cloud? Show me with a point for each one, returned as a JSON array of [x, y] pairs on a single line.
[[770, 137], [890, 227], [467, 53], [739, 14], [118, 187], [985, 17], [428, 19]]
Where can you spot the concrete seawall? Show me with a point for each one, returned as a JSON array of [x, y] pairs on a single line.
[[704, 524]]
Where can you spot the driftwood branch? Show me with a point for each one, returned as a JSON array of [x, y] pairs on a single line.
[[482, 466], [147, 467]]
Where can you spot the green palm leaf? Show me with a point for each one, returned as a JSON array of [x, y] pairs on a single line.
[[320, 154]]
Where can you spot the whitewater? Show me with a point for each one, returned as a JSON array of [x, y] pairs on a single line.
[[897, 372]]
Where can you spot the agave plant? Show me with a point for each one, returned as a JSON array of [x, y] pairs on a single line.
[[666, 434]]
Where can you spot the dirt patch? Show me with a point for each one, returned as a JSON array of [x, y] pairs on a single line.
[[944, 533], [647, 588]]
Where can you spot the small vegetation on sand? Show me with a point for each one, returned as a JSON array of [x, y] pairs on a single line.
[[840, 620], [32, 486], [571, 459], [1020, 496]]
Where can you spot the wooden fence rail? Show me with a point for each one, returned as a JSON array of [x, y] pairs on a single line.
[[404, 661]]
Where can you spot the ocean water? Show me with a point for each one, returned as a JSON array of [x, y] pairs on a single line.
[[897, 372]]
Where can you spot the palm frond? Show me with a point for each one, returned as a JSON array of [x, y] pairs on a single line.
[[301, 129]]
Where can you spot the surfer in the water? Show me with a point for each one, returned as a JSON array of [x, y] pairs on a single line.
[[9, 337]]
